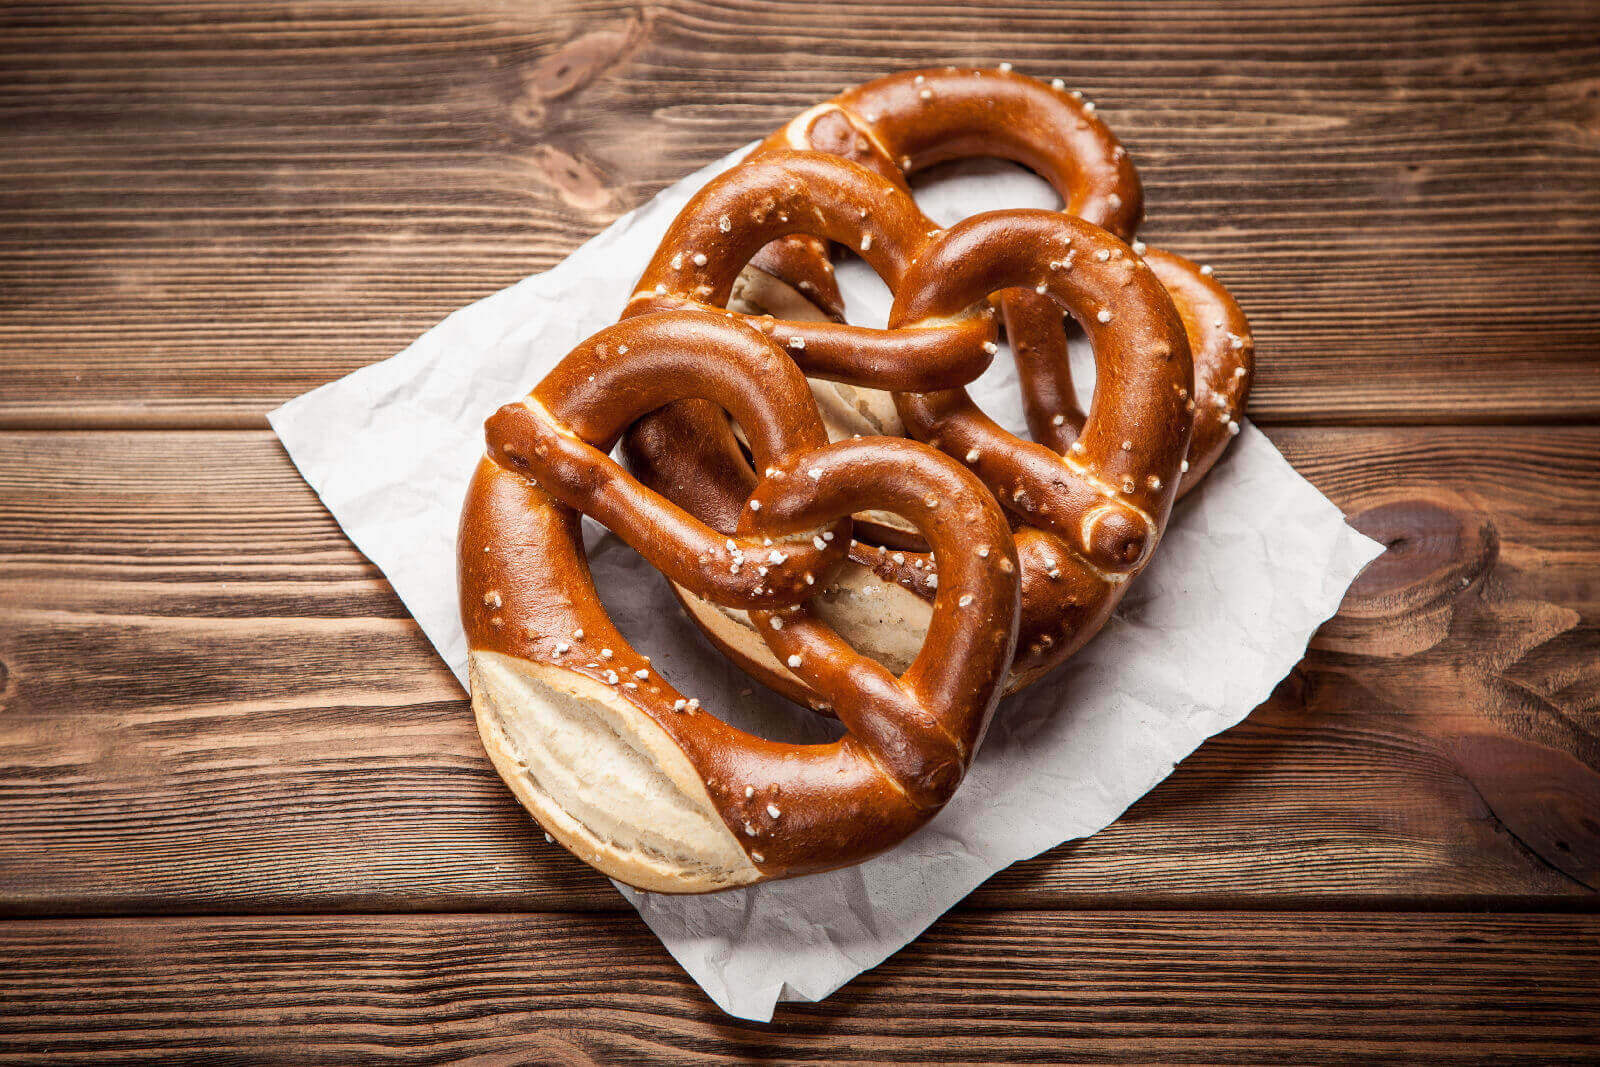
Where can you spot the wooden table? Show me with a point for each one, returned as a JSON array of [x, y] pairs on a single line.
[[242, 806]]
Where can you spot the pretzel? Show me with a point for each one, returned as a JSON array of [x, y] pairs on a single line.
[[893, 126], [902, 123], [1099, 510], [622, 768]]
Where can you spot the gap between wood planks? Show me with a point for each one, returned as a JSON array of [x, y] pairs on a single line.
[[123, 421], [1288, 906]]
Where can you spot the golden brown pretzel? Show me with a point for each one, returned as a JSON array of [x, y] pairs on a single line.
[[902, 123], [1099, 509], [898, 124], [613, 760]]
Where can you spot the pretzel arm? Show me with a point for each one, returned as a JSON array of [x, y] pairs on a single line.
[[1038, 338], [941, 357], [1224, 357]]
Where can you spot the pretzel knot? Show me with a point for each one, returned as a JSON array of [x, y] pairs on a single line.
[[1091, 493], [712, 239], [1089, 517], [625, 770]]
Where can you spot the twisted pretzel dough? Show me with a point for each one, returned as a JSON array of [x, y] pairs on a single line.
[[1093, 515], [891, 127], [613, 761], [729, 220], [902, 123], [625, 770]]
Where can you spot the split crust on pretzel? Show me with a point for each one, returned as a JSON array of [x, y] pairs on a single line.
[[620, 767], [892, 127]]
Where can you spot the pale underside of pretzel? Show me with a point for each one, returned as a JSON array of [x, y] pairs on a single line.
[[900, 124], [629, 773]]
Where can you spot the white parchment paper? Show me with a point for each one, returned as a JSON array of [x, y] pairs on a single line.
[[1251, 564]]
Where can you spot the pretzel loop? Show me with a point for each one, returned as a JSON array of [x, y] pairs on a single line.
[[921, 724], [561, 433], [806, 192], [902, 123], [1108, 497]]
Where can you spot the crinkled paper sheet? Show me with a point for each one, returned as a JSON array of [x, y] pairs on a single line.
[[1251, 564]]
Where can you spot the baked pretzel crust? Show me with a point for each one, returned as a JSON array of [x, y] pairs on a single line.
[[1100, 523], [623, 768]]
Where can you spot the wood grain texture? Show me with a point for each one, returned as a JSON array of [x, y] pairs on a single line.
[[209, 207], [977, 988], [210, 702]]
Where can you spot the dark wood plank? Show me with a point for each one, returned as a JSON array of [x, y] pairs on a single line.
[[209, 701], [978, 988], [208, 207]]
